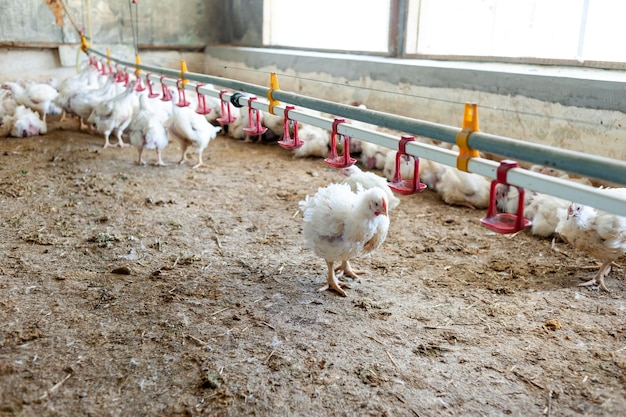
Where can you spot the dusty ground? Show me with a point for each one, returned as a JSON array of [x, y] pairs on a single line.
[[136, 291]]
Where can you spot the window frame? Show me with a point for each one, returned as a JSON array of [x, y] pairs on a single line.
[[398, 38]]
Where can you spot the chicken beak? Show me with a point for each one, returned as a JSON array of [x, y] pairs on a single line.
[[384, 211]]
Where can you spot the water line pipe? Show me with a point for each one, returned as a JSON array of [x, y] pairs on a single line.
[[596, 167]]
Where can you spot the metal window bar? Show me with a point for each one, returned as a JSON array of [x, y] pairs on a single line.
[[601, 168]]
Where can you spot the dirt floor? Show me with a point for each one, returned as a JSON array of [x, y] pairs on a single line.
[[132, 290]]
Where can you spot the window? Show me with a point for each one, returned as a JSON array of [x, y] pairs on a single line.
[[351, 25], [580, 30], [533, 31]]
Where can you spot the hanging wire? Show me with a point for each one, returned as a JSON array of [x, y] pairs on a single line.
[[417, 96], [134, 24], [69, 16], [82, 14], [89, 27]]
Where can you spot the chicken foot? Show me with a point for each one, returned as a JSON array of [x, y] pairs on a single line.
[[120, 141], [598, 279], [333, 282], [349, 272], [200, 163], [159, 161]]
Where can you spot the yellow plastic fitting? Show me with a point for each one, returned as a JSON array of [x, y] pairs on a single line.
[[183, 70], [137, 63], [470, 125], [84, 44], [273, 87]]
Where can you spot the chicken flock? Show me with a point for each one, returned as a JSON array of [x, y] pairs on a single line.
[[342, 221]]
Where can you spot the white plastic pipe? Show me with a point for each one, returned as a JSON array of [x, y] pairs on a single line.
[[520, 177]]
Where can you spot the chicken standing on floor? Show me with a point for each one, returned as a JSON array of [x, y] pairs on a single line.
[[599, 233], [340, 225], [116, 114], [82, 103], [356, 177], [86, 80], [190, 129], [147, 130]]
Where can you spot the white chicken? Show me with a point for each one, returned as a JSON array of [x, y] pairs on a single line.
[[540, 209], [190, 129], [7, 109], [87, 79], [596, 232], [212, 103], [406, 166], [116, 114], [357, 179], [147, 131], [431, 173], [36, 96], [82, 103], [24, 122], [315, 142], [340, 225], [235, 129], [373, 156], [456, 187], [553, 172], [5, 128], [275, 124]]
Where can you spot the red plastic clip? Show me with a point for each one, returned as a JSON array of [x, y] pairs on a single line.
[[408, 186], [202, 108], [254, 126], [167, 94], [287, 141], [505, 222], [334, 159], [139, 87], [94, 63], [121, 76], [226, 118], [151, 93], [106, 69], [117, 77], [182, 100]]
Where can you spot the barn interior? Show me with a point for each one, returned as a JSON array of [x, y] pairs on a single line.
[[131, 289]]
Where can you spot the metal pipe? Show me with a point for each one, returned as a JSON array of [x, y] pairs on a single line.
[[584, 164]]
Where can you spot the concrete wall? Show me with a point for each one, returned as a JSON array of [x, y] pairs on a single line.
[[582, 110], [577, 110], [34, 46], [161, 23]]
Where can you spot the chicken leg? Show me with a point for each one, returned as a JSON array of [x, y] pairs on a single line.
[[183, 156], [140, 160], [598, 279], [348, 271], [333, 282], [159, 161], [200, 163], [120, 141], [107, 143]]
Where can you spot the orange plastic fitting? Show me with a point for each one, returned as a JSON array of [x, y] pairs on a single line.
[[470, 125], [273, 87]]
